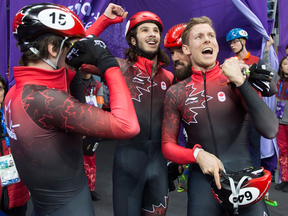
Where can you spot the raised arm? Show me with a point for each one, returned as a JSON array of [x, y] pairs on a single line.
[[122, 122], [112, 15]]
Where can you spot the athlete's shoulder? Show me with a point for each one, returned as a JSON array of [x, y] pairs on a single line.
[[167, 73], [40, 93], [181, 85], [124, 64]]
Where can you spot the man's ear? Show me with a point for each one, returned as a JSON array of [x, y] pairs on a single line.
[[51, 52], [186, 49], [133, 41]]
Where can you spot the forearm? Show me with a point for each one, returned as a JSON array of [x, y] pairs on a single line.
[[263, 119], [101, 24], [178, 154]]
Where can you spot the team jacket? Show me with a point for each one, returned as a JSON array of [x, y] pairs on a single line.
[[148, 95], [213, 114], [46, 124]]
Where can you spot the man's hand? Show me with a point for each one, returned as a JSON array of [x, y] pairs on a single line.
[[211, 165], [93, 51], [113, 10], [231, 68]]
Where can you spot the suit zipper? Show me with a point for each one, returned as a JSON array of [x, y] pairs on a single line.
[[214, 143]]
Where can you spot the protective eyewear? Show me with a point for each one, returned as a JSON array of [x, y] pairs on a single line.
[[234, 41]]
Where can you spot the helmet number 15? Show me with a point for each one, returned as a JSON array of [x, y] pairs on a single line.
[[61, 18], [56, 19]]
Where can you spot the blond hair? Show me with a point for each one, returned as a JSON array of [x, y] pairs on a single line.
[[195, 21]]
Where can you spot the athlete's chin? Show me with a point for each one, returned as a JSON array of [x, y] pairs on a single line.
[[151, 53]]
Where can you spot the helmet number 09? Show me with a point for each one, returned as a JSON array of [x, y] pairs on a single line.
[[56, 19], [246, 196]]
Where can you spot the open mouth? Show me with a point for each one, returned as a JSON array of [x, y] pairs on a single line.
[[207, 51], [152, 42]]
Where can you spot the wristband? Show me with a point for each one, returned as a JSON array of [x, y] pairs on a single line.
[[196, 152], [245, 72]]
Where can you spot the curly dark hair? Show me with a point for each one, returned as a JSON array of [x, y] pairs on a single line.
[[132, 54]]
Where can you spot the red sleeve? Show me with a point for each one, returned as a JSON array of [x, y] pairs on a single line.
[[101, 24], [62, 111], [170, 130], [122, 109]]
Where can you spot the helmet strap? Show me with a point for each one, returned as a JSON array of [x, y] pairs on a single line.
[[241, 48], [61, 47], [48, 61], [235, 191]]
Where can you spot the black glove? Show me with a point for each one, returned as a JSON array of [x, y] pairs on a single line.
[[260, 78], [91, 50], [259, 74]]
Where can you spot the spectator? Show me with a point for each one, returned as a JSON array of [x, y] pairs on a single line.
[[281, 103], [45, 123], [14, 197], [237, 39], [93, 91]]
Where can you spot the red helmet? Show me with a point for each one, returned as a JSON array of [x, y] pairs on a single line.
[[35, 20], [142, 17], [241, 189], [173, 36]]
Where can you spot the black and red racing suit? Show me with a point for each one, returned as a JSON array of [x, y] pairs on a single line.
[[140, 174], [213, 114], [46, 124]]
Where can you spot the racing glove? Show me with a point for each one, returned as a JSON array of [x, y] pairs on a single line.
[[259, 78], [91, 50]]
